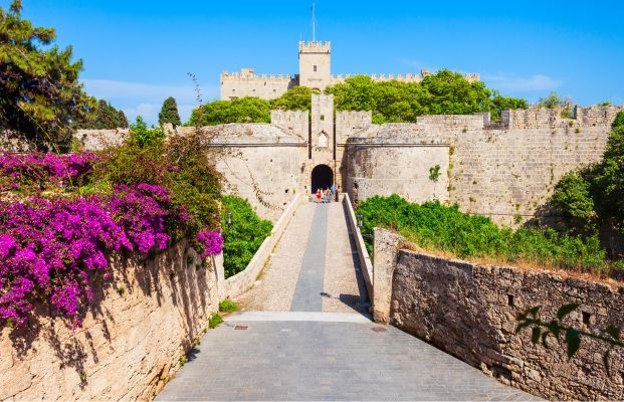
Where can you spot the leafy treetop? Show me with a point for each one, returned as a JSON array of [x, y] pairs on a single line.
[[103, 116], [40, 95], [444, 92]]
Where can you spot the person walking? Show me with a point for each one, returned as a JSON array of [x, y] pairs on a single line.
[[318, 194], [333, 192]]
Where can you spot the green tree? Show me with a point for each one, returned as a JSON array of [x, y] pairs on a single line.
[[444, 92], [169, 112], [241, 110], [551, 101], [40, 95], [103, 116], [573, 200], [142, 136], [297, 98], [595, 192]]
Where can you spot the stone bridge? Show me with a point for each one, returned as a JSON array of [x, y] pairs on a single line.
[[304, 333]]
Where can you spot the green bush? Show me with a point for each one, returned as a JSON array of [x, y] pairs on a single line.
[[245, 235], [592, 196], [227, 306], [434, 226], [179, 163]]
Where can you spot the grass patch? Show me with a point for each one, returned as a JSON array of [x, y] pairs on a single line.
[[214, 320], [227, 306]]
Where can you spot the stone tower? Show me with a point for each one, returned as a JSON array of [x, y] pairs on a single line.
[[314, 64]]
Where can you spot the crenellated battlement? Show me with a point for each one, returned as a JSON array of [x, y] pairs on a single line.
[[248, 74], [409, 77], [314, 47], [559, 117], [295, 122]]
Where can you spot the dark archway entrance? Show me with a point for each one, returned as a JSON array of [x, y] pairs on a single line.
[[322, 177]]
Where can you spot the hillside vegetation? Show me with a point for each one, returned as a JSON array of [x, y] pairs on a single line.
[[435, 227]]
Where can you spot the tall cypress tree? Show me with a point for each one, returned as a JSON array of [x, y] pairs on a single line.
[[169, 112]]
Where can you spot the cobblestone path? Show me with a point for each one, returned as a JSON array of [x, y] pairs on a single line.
[[303, 335]]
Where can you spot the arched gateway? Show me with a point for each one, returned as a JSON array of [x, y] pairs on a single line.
[[322, 177]]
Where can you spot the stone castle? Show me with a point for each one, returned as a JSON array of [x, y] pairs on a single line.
[[505, 170], [314, 72]]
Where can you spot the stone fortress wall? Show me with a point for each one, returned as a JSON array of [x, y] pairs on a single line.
[[248, 83], [505, 170]]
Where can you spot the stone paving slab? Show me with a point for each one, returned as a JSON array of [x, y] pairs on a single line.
[[275, 287], [309, 290], [295, 360], [344, 287]]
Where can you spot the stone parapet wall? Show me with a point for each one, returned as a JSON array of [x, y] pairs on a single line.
[[366, 265], [131, 339], [469, 311], [295, 122], [97, 140], [559, 117], [248, 83], [396, 169], [238, 284]]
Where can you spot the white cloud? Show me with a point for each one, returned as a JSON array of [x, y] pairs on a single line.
[[146, 99], [510, 82]]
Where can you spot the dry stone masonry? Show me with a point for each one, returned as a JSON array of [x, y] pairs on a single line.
[[469, 310]]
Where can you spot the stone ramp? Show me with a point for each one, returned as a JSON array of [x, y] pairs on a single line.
[[305, 334], [341, 357]]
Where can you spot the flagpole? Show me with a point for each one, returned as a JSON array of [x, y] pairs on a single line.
[[313, 23]]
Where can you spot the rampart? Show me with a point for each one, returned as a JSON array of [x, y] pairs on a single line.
[[505, 170], [469, 310]]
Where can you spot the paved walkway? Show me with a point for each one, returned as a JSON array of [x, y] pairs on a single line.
[[302, 335], [313, 268]]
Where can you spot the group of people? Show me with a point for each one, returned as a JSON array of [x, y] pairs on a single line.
[[326, 195]]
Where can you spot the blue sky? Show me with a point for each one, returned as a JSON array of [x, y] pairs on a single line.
[[138, 52]]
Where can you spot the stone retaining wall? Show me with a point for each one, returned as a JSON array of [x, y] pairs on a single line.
[[469, 311], [131, 339]]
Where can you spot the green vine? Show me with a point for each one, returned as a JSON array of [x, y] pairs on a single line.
[[541, 330]]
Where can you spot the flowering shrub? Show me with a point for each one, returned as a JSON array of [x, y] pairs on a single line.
[[141, 211], [49, 249], [40, 168], [138, 197], [211, 243]]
